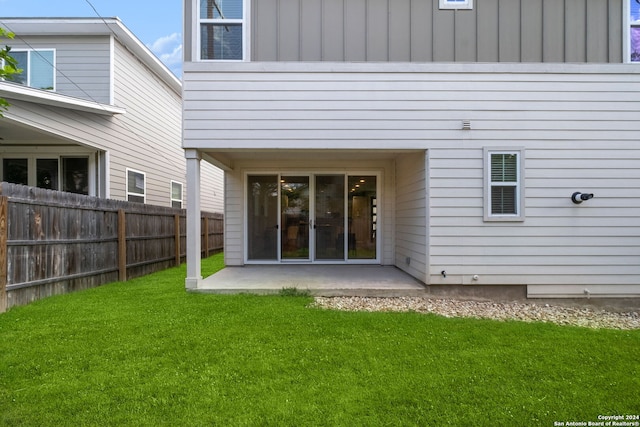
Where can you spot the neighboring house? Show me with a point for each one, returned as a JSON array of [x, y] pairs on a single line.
[[95, 112], [445, 137]]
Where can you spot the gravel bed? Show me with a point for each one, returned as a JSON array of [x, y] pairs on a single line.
[[528, 312]]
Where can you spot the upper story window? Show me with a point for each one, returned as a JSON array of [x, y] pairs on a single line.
[[221, 29], [634, 30], [37, 67], [456, 4]]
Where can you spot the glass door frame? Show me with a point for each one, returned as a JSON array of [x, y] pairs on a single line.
[[312, 217], [308, 225]]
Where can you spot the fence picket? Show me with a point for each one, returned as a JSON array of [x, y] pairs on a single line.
[[56, 242], [4, 203]]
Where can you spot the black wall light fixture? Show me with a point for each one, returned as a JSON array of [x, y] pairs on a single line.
[[579, 197]]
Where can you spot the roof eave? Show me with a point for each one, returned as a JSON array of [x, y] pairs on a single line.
[[19, 92]]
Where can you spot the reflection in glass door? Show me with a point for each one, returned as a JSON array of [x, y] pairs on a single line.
[[363, 217], [262, 217], [294, 209], [311, 217], [329, 217]]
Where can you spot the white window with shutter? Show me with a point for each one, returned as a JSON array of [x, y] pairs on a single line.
[[504, 189]]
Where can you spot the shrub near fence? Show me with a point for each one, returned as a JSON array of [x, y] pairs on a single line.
[[53, 242]]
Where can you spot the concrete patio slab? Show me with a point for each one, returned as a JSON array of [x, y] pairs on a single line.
[[318, 280]]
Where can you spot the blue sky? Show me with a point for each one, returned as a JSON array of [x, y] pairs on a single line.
[[157, 23]]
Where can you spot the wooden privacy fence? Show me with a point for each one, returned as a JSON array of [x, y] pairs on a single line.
[[54, 243]]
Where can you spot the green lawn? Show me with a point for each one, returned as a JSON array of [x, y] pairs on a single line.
[[146, 353]]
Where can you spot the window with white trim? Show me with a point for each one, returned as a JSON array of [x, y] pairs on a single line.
[[136, 186], [37, 65], [456, 4], [504, 198], [634, 30], [176, 194], [221, 29], [49, 171]]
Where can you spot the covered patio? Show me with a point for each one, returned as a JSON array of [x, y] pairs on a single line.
[[318, 280], [298, 208]]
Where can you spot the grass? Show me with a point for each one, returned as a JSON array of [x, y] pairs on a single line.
[[146, 353]]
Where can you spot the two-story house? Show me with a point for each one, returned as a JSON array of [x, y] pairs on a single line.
[[458, 140], [95, 112]]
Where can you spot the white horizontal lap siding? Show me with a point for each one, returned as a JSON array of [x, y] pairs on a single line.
[[211, 188], [83, 68], [333, 109], [560, 248], [411, 215], [234, 219], [578, 126], [83, 127], [148, 137], [558, 243], [245, 111]]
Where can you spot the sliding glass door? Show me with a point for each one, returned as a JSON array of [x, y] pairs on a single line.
[[329, 217], [363, 217], [312, 217], [262, 217], [294, 211]]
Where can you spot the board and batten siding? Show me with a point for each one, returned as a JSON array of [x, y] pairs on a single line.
[[148, 137], [417, 30], [82, 63], [577, 124]]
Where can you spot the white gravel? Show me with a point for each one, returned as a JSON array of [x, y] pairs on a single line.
[[528, 312]]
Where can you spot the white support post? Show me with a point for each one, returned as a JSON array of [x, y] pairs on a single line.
[[194, 274]]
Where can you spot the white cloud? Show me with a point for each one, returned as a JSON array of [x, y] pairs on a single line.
[[173, 57], [165, 42], [169, 50]]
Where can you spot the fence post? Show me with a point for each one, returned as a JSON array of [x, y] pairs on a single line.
[[122, 246], [4, 230], [206, 236], [176, 232]]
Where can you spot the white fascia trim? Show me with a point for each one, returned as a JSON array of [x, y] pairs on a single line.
[[195, 32], [144, 53], [404, 67], [626, 36], [44, 97], [246, 29], [112, 70]]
